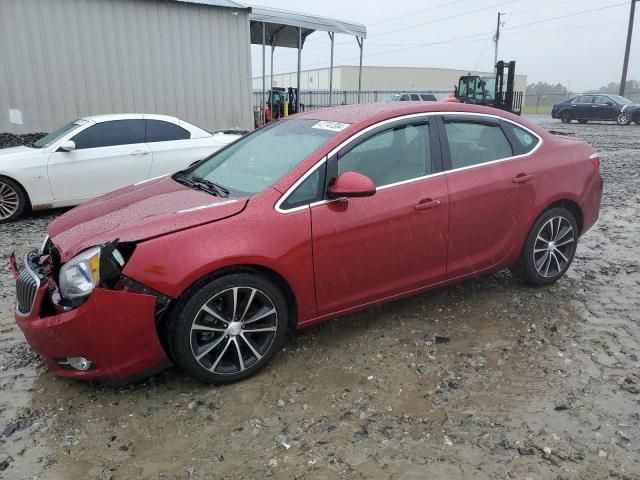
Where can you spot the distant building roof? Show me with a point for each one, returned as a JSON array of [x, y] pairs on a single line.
[[216, 3], [282, 26]]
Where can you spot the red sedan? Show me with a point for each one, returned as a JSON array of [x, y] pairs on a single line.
[[311, 217]]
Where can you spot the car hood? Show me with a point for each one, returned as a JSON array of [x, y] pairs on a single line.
[[15, 153], [632, 107], [139, 212]]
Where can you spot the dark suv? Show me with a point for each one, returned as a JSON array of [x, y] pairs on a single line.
[[608, 108]]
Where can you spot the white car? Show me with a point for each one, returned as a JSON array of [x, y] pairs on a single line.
[[96, 155]]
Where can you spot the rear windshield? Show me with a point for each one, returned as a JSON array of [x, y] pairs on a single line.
[[257, 161]]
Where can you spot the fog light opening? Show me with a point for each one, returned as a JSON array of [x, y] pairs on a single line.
[[77, 363]]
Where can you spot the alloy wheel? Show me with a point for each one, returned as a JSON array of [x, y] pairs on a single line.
[[552, 250], [624, 118], [9, 201], [233, 330]]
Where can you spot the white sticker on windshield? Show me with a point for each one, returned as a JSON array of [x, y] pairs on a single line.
[[333, 126]]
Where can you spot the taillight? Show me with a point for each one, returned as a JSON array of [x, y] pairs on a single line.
[[595, 160]]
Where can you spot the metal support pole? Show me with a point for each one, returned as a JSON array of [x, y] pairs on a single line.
[[625, 65], [361, 45], [299, 68], [264, 73], [332, 36], [496, 40], [273, 47]]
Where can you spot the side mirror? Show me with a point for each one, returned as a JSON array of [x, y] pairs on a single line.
[[68, 146], [352, 185]]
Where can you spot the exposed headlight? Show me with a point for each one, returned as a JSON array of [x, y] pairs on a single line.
[[80, 275]]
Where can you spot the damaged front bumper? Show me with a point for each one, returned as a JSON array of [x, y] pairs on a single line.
[[114, 330]]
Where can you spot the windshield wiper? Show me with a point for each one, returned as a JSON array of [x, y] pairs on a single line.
[[203, 184], [219, 189]]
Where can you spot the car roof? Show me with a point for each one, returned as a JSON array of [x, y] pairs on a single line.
[[375, 112], [128, 116]]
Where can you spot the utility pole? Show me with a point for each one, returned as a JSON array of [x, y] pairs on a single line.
[[625, 65], [496, 38]]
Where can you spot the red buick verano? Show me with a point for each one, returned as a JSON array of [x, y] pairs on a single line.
[[311, 217]]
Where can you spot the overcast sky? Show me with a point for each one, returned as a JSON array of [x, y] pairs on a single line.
[[584, 50]]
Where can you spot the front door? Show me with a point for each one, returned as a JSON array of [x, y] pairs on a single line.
[[366, 249], [605, 108], [109, 155], [490, 192]]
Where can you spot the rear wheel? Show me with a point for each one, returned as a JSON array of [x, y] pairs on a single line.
[[13, 200], [624, 118], [550, 247], [229, 328], [583, 121], [566, 116]]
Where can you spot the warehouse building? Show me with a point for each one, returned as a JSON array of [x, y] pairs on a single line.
[[63, 59], [398, 79]]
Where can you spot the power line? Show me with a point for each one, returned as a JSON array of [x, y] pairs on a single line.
[[417, 12]]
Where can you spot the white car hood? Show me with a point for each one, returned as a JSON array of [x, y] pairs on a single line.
[[15, 153]]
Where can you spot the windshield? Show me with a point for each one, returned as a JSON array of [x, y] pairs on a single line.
[[53, 137], [620, 100], [257, 161]]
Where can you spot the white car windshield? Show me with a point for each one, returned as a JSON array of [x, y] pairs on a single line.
[[53, 137], [258, 160]]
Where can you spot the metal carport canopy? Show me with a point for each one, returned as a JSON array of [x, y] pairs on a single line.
[[282, 28]]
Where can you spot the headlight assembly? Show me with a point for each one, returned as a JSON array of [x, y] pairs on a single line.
[[80, 275]]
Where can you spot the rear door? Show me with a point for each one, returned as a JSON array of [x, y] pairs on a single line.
[[585, 109], [366, 249], [491, 185], [109, 155], [172, 148]]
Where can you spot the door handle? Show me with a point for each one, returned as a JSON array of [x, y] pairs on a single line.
[[140, 152], [427, 204], [522, 178]]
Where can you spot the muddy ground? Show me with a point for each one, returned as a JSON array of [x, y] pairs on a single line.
[[532, 384]]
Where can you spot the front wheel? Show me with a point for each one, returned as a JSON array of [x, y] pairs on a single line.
[[624, 118], [550, 247], [13, 200], [566, 117], [228, 328]]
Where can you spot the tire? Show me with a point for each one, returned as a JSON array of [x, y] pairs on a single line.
[[210, 339], [583, 121], [566, 116], [540, 266], [624, 118], [13, 200]]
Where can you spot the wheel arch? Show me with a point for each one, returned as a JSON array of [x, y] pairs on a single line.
[[255, 269], [570, 205]]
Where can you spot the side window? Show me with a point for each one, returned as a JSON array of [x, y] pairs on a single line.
[[160, 131], [476, 143], [583, 100], [526, 140], [602, 100], [427, 97], [391, 156], [415, 97], [309, 191], [404, 98], [109, 134]]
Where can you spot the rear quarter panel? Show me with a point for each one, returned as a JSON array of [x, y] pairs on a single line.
[[563, 171]]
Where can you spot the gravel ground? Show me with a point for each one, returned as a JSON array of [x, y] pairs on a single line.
[[488, 379]]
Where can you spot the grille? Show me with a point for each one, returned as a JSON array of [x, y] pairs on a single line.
[[26, 289]]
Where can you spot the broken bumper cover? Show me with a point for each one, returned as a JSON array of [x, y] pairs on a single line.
[[114, 330]]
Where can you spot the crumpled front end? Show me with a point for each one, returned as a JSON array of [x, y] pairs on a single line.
[[111, 334]]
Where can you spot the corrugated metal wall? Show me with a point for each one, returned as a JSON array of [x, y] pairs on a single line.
[[62, 59]]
